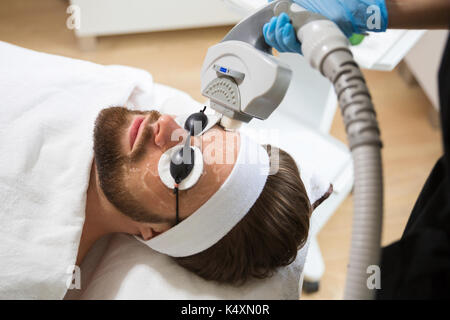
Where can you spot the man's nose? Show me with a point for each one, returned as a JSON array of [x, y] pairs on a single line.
[[168, 132]]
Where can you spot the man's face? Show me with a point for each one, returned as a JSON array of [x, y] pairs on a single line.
[[128, 145]]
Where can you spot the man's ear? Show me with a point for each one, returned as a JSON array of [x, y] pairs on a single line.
[[323, 198]]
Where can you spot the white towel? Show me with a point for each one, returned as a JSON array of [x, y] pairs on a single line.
[[47, 112]]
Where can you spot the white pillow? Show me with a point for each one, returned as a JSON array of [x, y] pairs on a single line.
[[131, 270]]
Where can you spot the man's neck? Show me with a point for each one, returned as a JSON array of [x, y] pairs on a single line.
[[93, 228]]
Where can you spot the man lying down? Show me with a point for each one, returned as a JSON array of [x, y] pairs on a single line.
[[72, 170], [241, 212]]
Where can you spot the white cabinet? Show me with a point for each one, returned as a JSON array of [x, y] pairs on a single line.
[[108, 17]]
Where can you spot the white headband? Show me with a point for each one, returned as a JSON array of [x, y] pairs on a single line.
[[214, 219]]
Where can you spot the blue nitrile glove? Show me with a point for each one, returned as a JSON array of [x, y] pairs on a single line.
[[352, 16], [280, 34]]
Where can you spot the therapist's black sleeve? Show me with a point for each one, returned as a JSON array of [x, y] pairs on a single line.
[[418, 265]]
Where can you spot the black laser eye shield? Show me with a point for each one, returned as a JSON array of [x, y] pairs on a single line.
[[182, 162]]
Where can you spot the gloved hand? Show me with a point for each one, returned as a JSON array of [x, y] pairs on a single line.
[[280, 34], [352, 16]]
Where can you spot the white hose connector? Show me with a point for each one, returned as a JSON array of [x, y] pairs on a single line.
[[318, 39], [230, 124]]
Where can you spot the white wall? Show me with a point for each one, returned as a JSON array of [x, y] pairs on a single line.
[[424, 60]]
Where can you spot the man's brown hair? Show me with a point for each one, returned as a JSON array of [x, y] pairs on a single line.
[[268, 237]]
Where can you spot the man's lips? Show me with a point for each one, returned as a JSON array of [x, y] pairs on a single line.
[[134, 130]]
